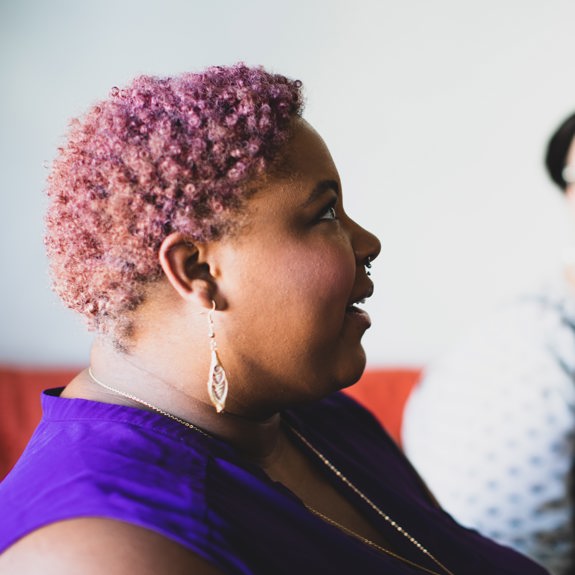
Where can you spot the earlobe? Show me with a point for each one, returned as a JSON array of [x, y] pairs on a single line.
[[186, 269]]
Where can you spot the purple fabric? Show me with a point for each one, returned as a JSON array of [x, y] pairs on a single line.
[[93, 459]]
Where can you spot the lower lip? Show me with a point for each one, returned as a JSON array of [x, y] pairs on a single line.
[[359, 316]]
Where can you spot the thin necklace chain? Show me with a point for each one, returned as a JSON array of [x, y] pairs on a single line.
[[325, 461], [367, 500], [369, 542], [145, 403]]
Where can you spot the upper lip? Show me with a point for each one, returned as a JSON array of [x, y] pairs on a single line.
[[361, 296]]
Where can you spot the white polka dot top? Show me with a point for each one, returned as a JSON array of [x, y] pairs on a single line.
[[491, 427]]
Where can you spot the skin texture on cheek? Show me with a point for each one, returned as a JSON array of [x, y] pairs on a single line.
[[303, 292], [324, 281], [290, 321]]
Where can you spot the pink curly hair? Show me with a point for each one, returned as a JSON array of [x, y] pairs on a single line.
[[162, 155]]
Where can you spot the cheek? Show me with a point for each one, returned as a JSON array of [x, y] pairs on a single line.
[[320, 278], [286, 288]]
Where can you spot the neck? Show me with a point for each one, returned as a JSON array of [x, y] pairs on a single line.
[[180, 394]]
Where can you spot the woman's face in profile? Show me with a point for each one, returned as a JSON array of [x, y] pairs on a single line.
[[289, 278]]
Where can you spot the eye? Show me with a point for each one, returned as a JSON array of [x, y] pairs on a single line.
[[329, 213]]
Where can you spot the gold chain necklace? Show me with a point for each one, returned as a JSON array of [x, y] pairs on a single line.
[[381, 513], [328, 464], [369, 542], [145, 403]]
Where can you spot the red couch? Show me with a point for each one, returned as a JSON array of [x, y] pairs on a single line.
[[383, 391]]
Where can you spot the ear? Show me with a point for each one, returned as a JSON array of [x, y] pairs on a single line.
[[185, 266]]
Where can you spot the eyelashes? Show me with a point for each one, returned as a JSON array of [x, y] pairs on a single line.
[[329, 213]]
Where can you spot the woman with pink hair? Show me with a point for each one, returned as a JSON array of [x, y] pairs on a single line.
[[197, 222]]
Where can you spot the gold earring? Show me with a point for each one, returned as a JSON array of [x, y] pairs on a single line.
[[217, 380]]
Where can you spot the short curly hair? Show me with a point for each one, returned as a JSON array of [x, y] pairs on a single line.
[[159, 156]]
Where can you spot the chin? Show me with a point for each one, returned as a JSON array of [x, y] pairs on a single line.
[[350, 372]]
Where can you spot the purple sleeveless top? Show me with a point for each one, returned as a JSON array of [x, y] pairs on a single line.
[[90, 459]]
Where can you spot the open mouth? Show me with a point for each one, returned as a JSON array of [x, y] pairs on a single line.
[[354, 313], [353, 307], [359, 316]]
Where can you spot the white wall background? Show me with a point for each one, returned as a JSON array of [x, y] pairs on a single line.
[[436, 112]]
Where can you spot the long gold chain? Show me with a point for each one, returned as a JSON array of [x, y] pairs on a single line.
[[327, 463], [145, 403], [367, 500], [369, 542]]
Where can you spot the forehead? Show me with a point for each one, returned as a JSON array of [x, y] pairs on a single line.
[[304, 164], [296, 182], [305, 153]]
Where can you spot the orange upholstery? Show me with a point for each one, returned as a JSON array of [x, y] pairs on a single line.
[[20, 409], [383, 391]]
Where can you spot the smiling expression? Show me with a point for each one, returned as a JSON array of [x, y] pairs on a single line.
[[289, 279]]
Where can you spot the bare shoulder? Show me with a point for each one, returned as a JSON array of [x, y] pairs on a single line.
[[94, 546]]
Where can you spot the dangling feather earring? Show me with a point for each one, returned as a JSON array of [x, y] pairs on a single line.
[[217, 380]]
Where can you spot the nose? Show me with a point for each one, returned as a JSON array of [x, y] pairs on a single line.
[[366, 246]]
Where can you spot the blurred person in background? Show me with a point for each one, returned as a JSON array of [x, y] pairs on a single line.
[[491, 425]]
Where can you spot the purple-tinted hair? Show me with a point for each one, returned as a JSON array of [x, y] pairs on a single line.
[[162, 155]]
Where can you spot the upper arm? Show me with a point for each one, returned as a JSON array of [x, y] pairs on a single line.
[[94, 546]]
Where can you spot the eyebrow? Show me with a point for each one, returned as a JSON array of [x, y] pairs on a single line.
[[321, 188]]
